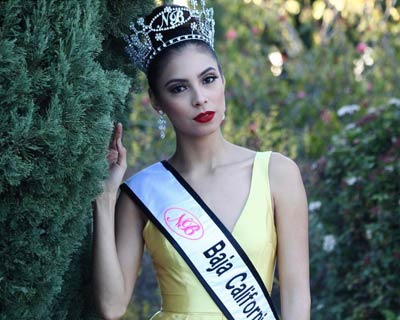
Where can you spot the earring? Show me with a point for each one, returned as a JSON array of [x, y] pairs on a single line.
[[162, 124]]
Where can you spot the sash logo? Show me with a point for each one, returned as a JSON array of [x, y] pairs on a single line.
[[183, 223]]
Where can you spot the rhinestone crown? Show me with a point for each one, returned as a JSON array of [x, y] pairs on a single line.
[[199, 26]]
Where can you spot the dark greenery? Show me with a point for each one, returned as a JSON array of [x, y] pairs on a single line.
[[58, 99], [359, 186]]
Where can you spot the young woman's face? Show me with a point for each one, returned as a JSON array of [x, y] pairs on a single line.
[[191, 92]]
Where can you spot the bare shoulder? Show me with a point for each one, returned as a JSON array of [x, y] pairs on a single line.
[[282, 167], [285, 176]]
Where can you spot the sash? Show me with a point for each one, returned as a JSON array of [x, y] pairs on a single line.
[[210, 250]]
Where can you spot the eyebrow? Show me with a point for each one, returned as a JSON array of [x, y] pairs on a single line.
[[182, 80]]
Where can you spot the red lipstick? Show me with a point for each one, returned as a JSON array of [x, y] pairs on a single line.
[[204, 116]]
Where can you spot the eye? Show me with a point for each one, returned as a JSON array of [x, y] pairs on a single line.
[[209, 79], [177, 89]]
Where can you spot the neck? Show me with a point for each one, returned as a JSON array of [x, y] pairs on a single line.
[[200, 154]]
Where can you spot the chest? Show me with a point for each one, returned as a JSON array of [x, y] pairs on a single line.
[[225, 192]]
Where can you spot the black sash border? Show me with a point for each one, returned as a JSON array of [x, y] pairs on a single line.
[[226, 232]]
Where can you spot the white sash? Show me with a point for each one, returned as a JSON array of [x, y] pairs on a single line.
[[203, 241]]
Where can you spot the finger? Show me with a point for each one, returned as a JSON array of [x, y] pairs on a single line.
[[120, 147], [113, 144], [112, 160], [119, 130], [112, 155], [118, 136]]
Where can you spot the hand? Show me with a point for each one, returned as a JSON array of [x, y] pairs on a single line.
[[116, 159]]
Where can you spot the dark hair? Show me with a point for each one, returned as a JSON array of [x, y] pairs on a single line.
[[159, 62]]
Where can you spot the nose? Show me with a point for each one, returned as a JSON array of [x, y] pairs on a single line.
[[199, 97]]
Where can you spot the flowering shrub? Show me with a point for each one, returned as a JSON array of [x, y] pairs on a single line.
[[359, 219], [295, 85]]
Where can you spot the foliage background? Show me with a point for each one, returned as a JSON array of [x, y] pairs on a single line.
[[59, 93], [316, 80]]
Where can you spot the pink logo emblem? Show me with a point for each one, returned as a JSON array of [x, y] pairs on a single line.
[[183, 223]]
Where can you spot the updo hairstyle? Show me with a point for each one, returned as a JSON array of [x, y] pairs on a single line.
[[160, 61]]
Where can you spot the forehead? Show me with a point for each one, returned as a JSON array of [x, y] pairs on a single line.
[[188, 62]]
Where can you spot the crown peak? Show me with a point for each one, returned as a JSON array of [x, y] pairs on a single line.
[[147, 41]]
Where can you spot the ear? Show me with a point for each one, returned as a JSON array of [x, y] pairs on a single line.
[[154, 100]]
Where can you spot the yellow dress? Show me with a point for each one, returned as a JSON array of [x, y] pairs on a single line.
[[183, 296]]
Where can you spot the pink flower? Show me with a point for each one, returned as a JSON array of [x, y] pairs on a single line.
[[252, 127], [255, 30], [385, 158], [231, 34], [325, 116], [361, 47], [369, 86], [301, 94]]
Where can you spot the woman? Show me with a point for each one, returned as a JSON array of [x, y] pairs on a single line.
[[257, 198]]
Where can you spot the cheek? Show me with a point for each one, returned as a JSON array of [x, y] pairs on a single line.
[[174, 107], [219, 94]]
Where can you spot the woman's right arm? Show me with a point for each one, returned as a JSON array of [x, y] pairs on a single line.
[[117, 239]]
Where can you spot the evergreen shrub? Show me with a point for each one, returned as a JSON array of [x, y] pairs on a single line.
[[356, 218], [58, 98]]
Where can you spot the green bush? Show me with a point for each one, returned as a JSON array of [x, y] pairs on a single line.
[[359, 208], [58, 97]]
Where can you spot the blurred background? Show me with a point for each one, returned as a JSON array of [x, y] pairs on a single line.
[[316, 80]]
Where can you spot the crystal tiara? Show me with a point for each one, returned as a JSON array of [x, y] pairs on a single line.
[[171, 25]]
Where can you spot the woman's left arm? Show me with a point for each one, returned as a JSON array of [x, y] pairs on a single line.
[[291, 216]]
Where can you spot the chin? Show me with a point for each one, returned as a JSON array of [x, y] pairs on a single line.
[[200, 132]]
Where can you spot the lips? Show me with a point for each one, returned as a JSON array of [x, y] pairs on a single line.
[[204, 116]]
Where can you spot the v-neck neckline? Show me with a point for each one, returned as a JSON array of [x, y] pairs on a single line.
[[200, 200], [249, 195]]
